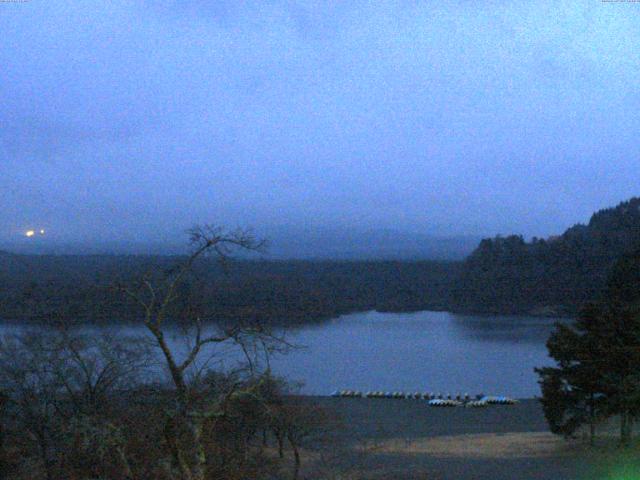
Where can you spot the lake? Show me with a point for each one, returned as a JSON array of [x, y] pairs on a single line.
[[423, 351]]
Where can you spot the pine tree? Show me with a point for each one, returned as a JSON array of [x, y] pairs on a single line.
[[571, 392], [598, 360]]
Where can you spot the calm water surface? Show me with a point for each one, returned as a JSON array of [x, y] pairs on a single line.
[[422, 351]]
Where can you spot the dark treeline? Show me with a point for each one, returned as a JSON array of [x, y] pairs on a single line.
[[39, 288], [504, 275], [555, 276]]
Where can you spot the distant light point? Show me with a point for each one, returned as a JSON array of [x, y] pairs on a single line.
[[32, 233]]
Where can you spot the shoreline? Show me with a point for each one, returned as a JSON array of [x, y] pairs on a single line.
[[39, 321], [378, 419], [397, 400], [378, 440]]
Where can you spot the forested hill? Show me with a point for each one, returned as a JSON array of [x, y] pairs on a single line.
[[47, 287], [504, 275], [555, 276]]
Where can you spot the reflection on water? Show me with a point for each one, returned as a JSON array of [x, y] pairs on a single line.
[[422, 351], [516, 329]]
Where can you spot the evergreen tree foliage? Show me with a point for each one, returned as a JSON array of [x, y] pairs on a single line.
[[556, 276], [598, 359]]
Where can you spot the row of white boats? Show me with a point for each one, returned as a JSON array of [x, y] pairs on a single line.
[[434, 400]]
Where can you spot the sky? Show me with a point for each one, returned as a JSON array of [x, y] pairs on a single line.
[[134, 120]]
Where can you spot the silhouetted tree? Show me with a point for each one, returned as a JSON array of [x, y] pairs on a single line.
[[572, 392], [60, 389], [166, 299], [598, 359], [557, 276]]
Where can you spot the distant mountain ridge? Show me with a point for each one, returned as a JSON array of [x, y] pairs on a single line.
[[285, 243], [555, 276], [380, 244]]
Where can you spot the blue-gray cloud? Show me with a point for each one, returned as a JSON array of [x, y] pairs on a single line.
[[134, 119]]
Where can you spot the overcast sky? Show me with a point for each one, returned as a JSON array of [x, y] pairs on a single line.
[[127, 120]]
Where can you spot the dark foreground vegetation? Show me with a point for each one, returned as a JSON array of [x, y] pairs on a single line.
[[598, 360], [75, 407], [78, 407]]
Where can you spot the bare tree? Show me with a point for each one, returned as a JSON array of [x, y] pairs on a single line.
[[91, 370], [296, 422], [4, 463], [33, 390], [159, 297], [57, 383]]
